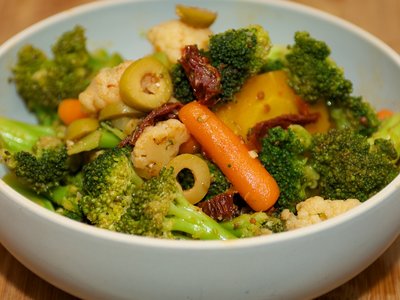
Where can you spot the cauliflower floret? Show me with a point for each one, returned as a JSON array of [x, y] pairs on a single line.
[[103, 89], [171, 36], [157, 145], [315, 210]]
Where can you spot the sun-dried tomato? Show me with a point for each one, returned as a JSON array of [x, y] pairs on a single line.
[[203, 77]]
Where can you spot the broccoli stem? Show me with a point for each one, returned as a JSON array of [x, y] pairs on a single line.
[[61, 196], [186, 218], [20, 136], [11, 180]]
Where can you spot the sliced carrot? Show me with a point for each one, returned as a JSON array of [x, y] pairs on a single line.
[[384, 113], [249, 177], [70, 110]]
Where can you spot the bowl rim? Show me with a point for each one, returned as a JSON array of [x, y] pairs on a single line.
[[86, 229]]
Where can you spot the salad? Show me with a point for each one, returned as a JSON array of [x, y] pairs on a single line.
[[211, 136]]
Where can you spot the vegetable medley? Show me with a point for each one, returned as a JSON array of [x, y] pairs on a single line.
[[212, 136]]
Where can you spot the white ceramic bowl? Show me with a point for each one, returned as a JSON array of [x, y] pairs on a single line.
[[97, 264]]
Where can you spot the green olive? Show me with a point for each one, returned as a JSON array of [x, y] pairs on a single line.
[[117, 110], [195, 16], [145, 84], [88, 142], [81, 127]]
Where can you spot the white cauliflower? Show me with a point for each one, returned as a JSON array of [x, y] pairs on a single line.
[[315, 210], [103, 89], [157, 145], [171, 36]]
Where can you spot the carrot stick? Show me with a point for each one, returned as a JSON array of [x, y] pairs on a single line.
[[249, 177], [70, 110], [384, 113]]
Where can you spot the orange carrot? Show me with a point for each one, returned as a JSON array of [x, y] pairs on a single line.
[[384, 113], [253, 182], [70, 110]]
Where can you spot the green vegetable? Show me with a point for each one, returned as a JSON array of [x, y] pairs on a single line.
[[43, 82], [338, 165], [255, 224], [17, 135], [283, 154], [11, 180], [159, 209], [313, 75], [350, 167], [238, 54], [42, 167], [39, 166], [316, 77], [389, 130], [108, 182]]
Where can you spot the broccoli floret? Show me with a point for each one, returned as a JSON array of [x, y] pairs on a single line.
[[238, 54], [219, 183], [317, 78], [339, 164], [39, 165], [36, 155], [43, 82], [159, 209], [182, 89], [255, 224], [283, 154], [43, 168], [313, 75], [355, 114], [108, 182], [350, 167], [389, 133]]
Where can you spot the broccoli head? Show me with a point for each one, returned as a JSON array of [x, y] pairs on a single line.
[[183, 91], [108, 182], [36, 154], [237, 54], [317, 78], [43, 168], [388, 132], [355, 114], [43, 82], [313, 75], [159, 209], [283, 154], [350, 167]]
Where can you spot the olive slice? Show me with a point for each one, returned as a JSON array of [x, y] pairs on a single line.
[[145, 84], [195, 16], [81, 127], [117, 110]]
